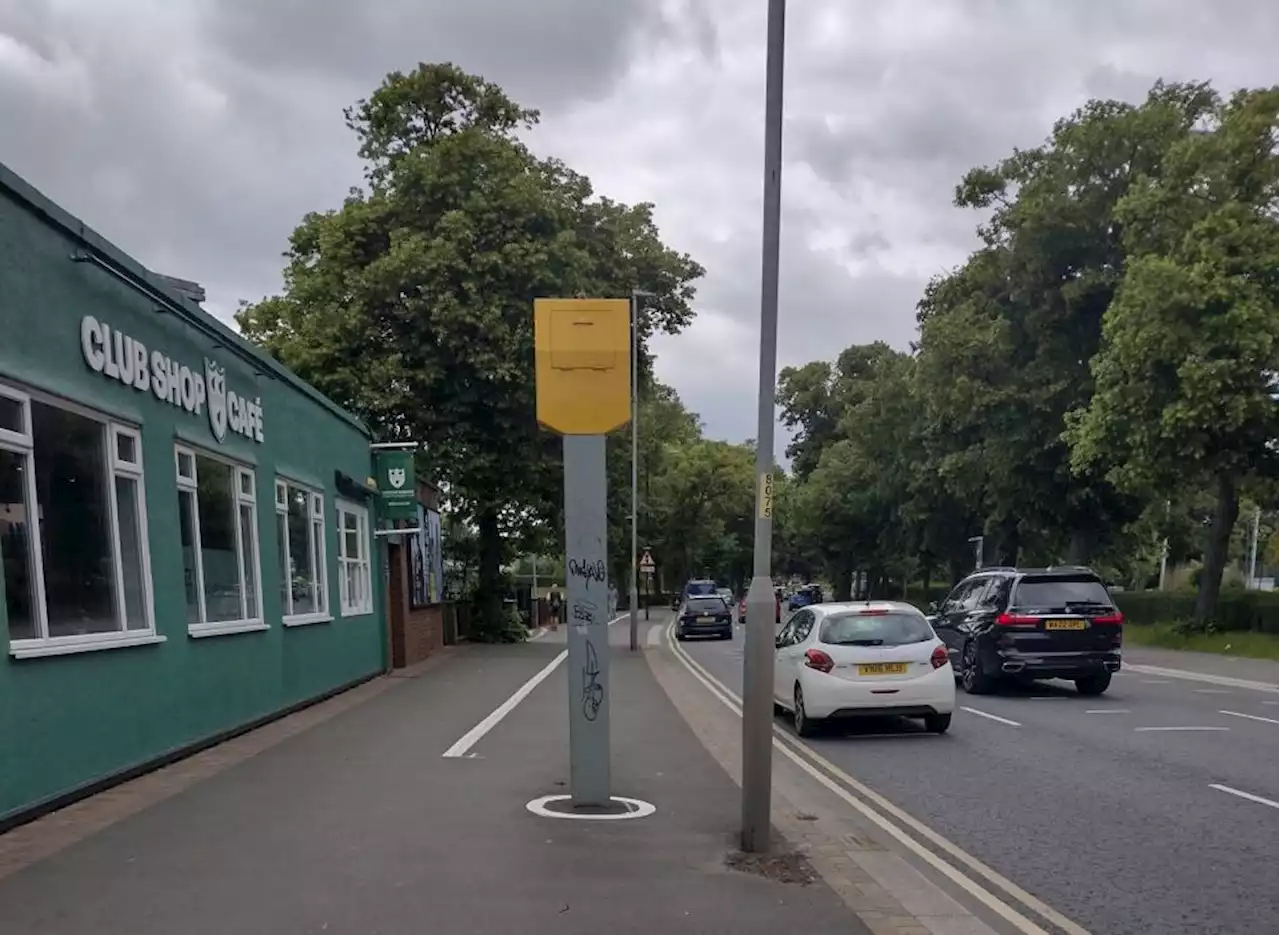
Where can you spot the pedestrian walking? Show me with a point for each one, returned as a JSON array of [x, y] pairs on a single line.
[[555, 604]]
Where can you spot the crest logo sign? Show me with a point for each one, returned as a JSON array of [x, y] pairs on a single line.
[[215, 380], [396, 477]]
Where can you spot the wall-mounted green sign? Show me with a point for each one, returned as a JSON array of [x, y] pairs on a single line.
[[397, 484]]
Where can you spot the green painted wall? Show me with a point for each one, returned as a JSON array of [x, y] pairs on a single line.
[[66, 721]]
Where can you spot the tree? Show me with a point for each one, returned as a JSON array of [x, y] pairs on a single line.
[[1031, 303], [1186, 377], [412, 304]]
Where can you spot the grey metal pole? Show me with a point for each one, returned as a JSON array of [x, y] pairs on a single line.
[[1253, 549], [757, 662], [635, 495], [586, 614]]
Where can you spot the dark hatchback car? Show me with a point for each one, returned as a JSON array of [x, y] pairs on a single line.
[[704, 615], [1031, 623]]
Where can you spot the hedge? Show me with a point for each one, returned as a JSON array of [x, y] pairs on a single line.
[[1237, 609]]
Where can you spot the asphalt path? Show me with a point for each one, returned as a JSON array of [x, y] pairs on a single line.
[[1130, 813]]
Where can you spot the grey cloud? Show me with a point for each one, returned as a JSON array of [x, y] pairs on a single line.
[[547, 54]]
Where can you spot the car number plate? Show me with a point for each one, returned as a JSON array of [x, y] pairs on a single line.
[[706, 620], [883, 668], [1065, 625]]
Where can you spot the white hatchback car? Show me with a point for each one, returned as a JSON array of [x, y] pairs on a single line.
[[862, 659]]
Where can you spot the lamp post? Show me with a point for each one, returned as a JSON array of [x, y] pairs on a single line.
[[634, 577], [757, 663]]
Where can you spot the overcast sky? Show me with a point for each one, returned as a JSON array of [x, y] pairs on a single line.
[[196, 133]]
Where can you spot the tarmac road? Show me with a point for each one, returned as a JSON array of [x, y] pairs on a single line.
[[1112, 810]]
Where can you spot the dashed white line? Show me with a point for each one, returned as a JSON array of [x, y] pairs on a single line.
[[1272, 703], [1251, 717], [1155, 681], [1140, 729], [1107, 711], [989, 716], [1244, 795], [1223, 680], [1211, 691]]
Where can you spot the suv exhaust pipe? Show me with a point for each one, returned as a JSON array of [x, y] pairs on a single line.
[[1012, 666]]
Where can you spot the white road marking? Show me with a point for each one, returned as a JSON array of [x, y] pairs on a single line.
[[1272, 703], [1251, 717], [1244, 795], [802, 755], [472, 737], [1155, 681], [1223, 680], [993, 717], [655, 635], [1140, 729], [1107, 711], [1211, 691], [538, 634]]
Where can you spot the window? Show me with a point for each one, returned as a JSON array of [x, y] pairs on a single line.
[[1062, 592], [300, 545], [78, 577], [803, 626], [354, 579], [879, 629], [218, 519]]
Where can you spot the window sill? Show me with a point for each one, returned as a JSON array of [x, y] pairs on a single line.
[[357, 612], [200, 630], [307, 620], [31, 649]]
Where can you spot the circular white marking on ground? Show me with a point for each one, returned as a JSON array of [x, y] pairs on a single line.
[[635, 809]]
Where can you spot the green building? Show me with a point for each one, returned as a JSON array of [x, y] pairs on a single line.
[[186, 527]]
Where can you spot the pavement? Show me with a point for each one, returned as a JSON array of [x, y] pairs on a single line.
[[1152, 809], [356, 823]]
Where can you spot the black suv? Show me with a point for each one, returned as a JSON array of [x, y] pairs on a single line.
[[1031, 623]]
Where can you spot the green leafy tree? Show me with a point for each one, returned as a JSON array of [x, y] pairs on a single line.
[[1029, 309], [1186, 377], [412, 303]]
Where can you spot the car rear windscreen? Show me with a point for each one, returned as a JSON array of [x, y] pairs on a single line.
[[705, 605], [700, 587], [891, 629], [1061, 592]]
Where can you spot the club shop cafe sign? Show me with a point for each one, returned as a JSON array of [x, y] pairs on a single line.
[[116, 355]]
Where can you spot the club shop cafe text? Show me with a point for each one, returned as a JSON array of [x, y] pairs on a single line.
[[116, 355]]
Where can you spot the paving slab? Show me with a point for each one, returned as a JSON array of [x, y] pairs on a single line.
[[359, 825]]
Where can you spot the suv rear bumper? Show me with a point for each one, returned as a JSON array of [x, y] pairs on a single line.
[[1069, 665]]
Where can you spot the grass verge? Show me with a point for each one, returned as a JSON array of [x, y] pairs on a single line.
[[1236, 643]]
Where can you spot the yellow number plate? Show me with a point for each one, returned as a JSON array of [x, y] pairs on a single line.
[[883, 668], [1065, 625], [706, 620]]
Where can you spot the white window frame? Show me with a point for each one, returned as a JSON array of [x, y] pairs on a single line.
[[23, 444], [315, 543], [361, 562], [243, 494]]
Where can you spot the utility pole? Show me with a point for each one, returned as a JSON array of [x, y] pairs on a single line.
[[757, 663], [634, 622], [533, 608], [1164, 546], [1253, 549]]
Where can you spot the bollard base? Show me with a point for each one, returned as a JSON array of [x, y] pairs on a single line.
[[618, 807]]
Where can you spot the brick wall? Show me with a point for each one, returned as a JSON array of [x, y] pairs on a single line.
[[415, 633]]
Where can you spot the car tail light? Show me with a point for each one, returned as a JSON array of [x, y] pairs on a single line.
[[1113, 617], [817, 659], [873, 612], [1016, 620], [939, 658]]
